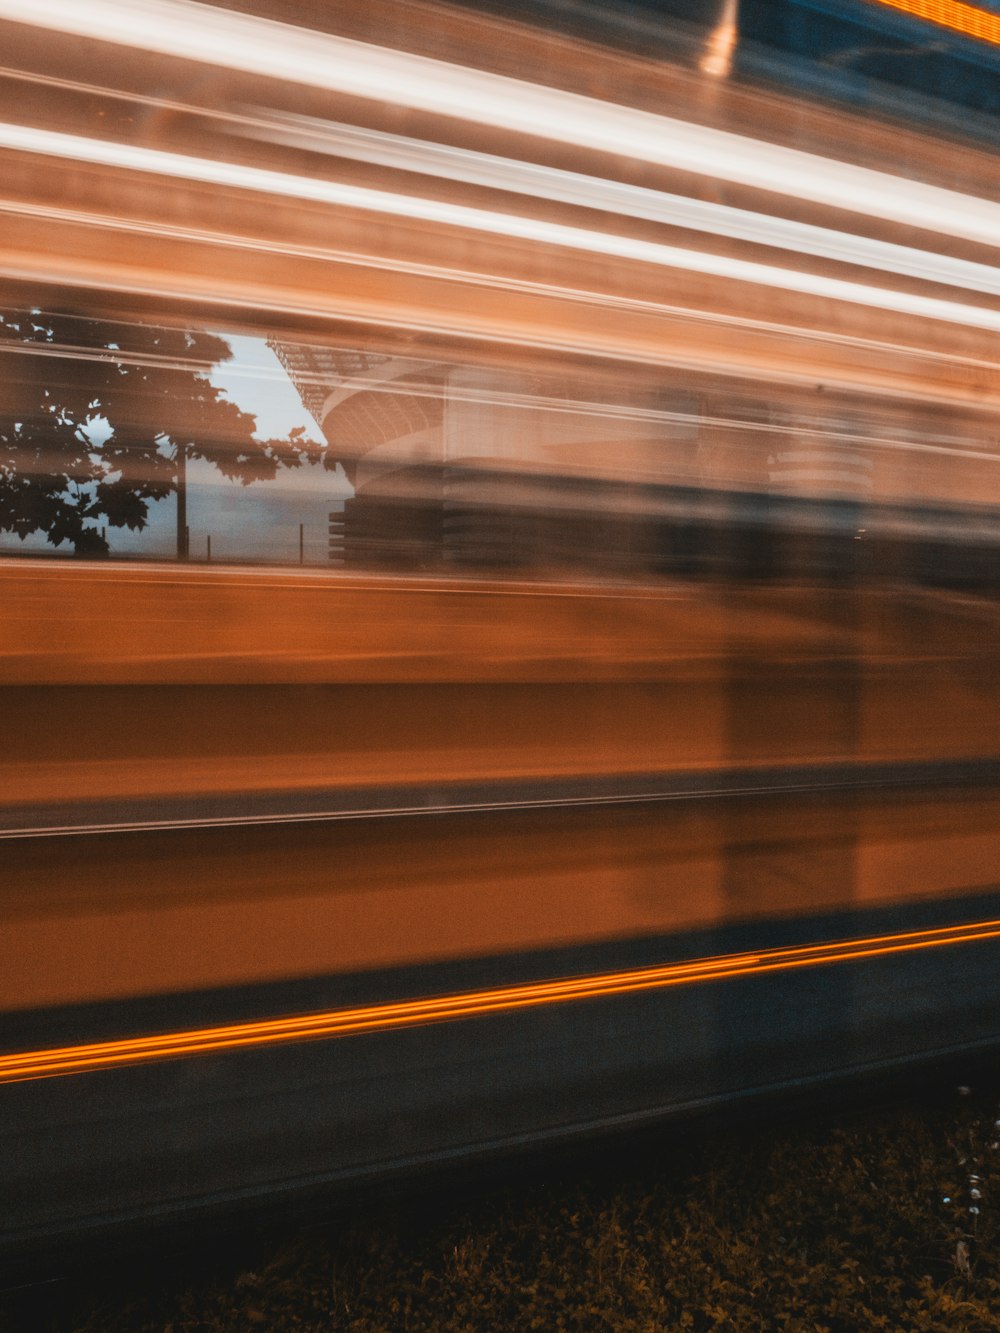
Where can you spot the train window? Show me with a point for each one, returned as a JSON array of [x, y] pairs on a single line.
[[129, 437]]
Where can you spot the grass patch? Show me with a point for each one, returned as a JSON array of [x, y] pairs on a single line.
[[888, 1222]]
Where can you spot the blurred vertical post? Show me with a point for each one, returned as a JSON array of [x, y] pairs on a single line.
[[718, 58], [302, 544], [181, 489]]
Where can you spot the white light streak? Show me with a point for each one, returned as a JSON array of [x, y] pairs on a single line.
[[569, 187], [467, 166], [234, 175], [263, 47]]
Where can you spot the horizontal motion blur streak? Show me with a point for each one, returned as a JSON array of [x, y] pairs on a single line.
[[275, 50], [24, 1066], [237, 176], [634, 201]]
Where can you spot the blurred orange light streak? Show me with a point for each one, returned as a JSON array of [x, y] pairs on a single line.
[[966, 19], [23, 1066]]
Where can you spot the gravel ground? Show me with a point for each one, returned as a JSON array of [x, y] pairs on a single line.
[[885, 1221]]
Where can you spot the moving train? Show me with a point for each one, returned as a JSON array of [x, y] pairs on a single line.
[[498, 549]]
